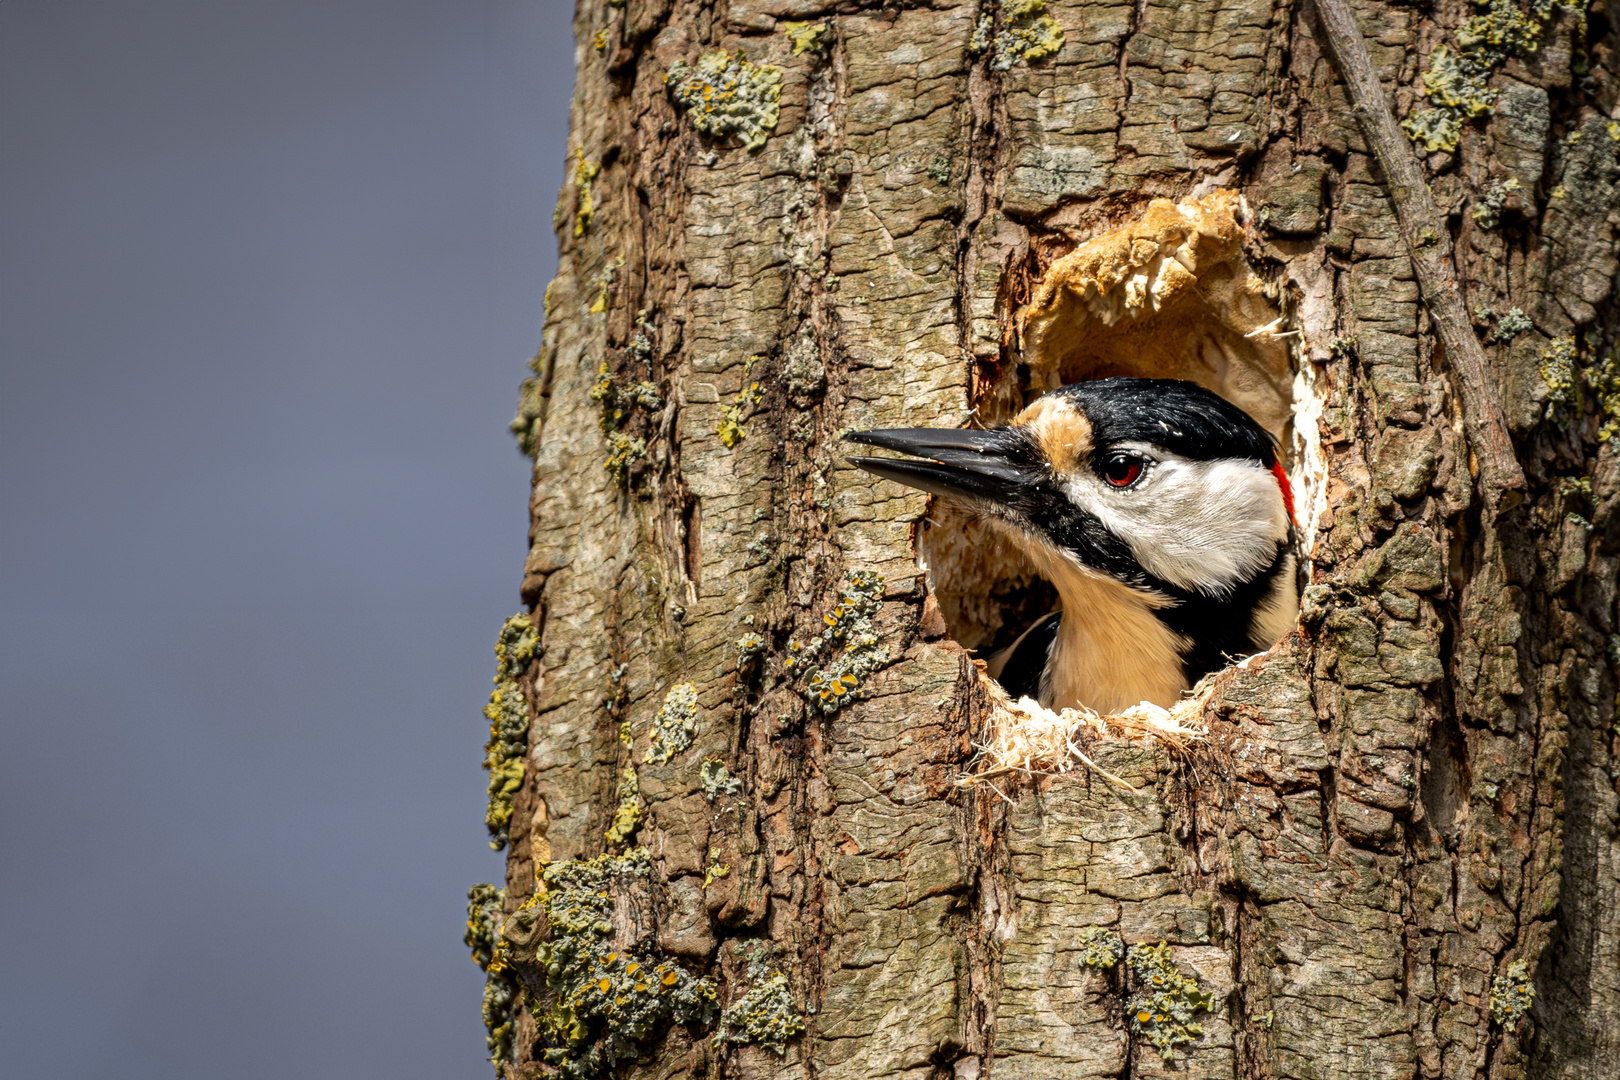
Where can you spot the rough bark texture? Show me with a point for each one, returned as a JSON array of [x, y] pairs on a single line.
[[1409, 794]]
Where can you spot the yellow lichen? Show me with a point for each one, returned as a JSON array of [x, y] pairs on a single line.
[[585, 173], [808, 36], [1558, 372], [508, 716], [502, 993], [617, 403], [604, 282], [628, 813], [1603, 378], [730, 428], [1030, 34]]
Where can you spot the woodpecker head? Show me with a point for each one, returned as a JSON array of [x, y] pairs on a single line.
[[1141, 499]]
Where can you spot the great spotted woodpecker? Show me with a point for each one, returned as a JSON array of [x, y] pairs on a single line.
[[1159, 512]]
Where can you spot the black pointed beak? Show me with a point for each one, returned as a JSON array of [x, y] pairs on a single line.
[[993, 466]]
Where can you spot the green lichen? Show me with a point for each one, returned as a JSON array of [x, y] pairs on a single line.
[[730, 428], [939, 169], [628, 813], [486, 906], [1512, 994], [766, 1015], [605, 1005], [724, 94], [585, 173], [1166, 1003], [808, 36], [1433, 129], [1029, 34], [1511, 325], [674, 725], [1102, 947], [1457, 82], [717, 781], [1558, 372], [508, 716], [1488, 209]]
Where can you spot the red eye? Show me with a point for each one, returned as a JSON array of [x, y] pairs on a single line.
[[1122, 470]]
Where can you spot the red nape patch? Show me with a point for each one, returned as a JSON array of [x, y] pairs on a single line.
[[1287, 490]]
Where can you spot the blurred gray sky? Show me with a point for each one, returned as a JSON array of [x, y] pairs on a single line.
[[269, 273]]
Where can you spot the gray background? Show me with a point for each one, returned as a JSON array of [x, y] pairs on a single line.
[[269, 273]]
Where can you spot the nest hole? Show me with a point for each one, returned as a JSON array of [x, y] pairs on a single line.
[[1168, 295]]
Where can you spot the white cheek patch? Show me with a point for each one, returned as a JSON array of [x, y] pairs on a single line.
[[1205, 526]]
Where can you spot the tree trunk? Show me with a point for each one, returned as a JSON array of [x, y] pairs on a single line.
[[1391, 854]]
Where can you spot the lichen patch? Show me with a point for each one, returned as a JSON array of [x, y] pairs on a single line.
[[508, 714], [675, 724], [602, 1002], [724, 94]]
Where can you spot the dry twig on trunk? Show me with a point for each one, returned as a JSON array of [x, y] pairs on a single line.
[[1429, 242]]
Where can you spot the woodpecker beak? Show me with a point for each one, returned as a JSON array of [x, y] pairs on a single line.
[[987, 466]]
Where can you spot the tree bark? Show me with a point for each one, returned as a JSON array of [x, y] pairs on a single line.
[[1402, 820]]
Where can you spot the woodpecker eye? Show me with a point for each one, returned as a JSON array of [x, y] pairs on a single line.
[[1122, 470]]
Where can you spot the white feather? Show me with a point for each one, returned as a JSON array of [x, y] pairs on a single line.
[[1204, 526]]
